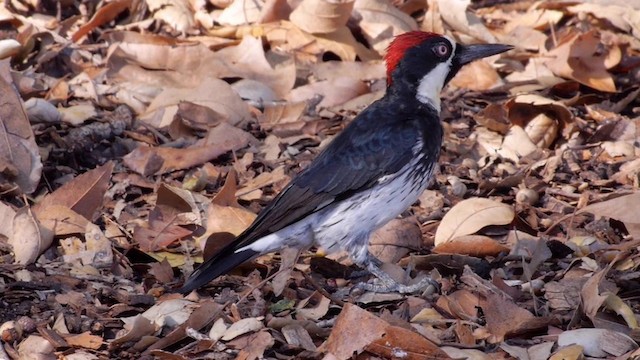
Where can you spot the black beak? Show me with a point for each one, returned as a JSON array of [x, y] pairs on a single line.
[[468, 53]]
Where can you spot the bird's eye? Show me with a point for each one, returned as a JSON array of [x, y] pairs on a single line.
[[441, 50]]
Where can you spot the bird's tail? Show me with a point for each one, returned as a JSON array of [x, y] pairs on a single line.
[[219, 264]]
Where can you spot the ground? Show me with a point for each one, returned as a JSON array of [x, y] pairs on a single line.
[[137, 133]]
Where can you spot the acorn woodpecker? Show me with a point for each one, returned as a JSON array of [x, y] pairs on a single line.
[[370, 173]]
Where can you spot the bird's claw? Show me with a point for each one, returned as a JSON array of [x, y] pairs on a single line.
[[426, 285]]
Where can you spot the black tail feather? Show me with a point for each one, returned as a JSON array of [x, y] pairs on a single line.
[[215, 266]]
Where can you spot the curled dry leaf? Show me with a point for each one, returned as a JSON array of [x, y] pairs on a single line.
[[41, 111], [345, 338], [463, 21], [624, 208], [17, 142], [103, 15], [471, 215], [474, 245], [242, 327], [84, 194], [241, 12], [495, 118], [478, 76], [322, 16], [580, 57], [398, 342], [623, 17], [379, 21], [9, 48], [28, 239], [396, 239], [164, 107], [598, 343], [333, 92], [176, 13]]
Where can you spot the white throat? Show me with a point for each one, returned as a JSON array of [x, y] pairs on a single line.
[[431, 84]]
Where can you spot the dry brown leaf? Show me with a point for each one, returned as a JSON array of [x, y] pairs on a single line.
[[471, 215], [333, 92], [85, 340], [316, 312], [599, 343], [461, 304], [252, 347], [9, 47], [321, 16], [625, 208], [346, 339], [103, 15], [495, 118], [61, 220], [84, 194], [623, 17], [176, 13], [157, 160], [77, 114], [260, 181], [478, 76], [506, 319], [308, 47], [538, 19], [203, 315], [581, 58], [17, 142], [242, 327], [28, 239], [398, 342], [164, 107], [380, 21], [395, 239], [364, 71], [241, 12], [515, 145], [463, 21], [35, 347], [474, 245]]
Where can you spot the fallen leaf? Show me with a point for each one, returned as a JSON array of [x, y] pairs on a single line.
[[103, 15], [473, 245], [28, 239], [581, 58], [461, 20], [379, 21], [398, 342], [346, 339], [242, 327], [624, 208], [598, 343], [175, 13], [478, 76], [17, 142], [471, 215], [321, 16], [395, 239], [84, 194]]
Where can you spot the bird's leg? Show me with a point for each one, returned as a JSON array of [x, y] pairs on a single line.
[[388, 284]]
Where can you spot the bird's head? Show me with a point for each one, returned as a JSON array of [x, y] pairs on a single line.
[[422, 63]]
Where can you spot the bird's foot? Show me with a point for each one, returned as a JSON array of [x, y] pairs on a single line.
[[387, 284], [426, 285]]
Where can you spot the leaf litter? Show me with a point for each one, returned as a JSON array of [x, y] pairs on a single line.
[[140, 137]]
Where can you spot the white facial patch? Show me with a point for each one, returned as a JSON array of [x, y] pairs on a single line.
[[431, 84]]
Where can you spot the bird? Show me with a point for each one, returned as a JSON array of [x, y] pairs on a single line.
[[370, 173]]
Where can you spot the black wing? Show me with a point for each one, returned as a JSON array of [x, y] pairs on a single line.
[[375, 144]]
